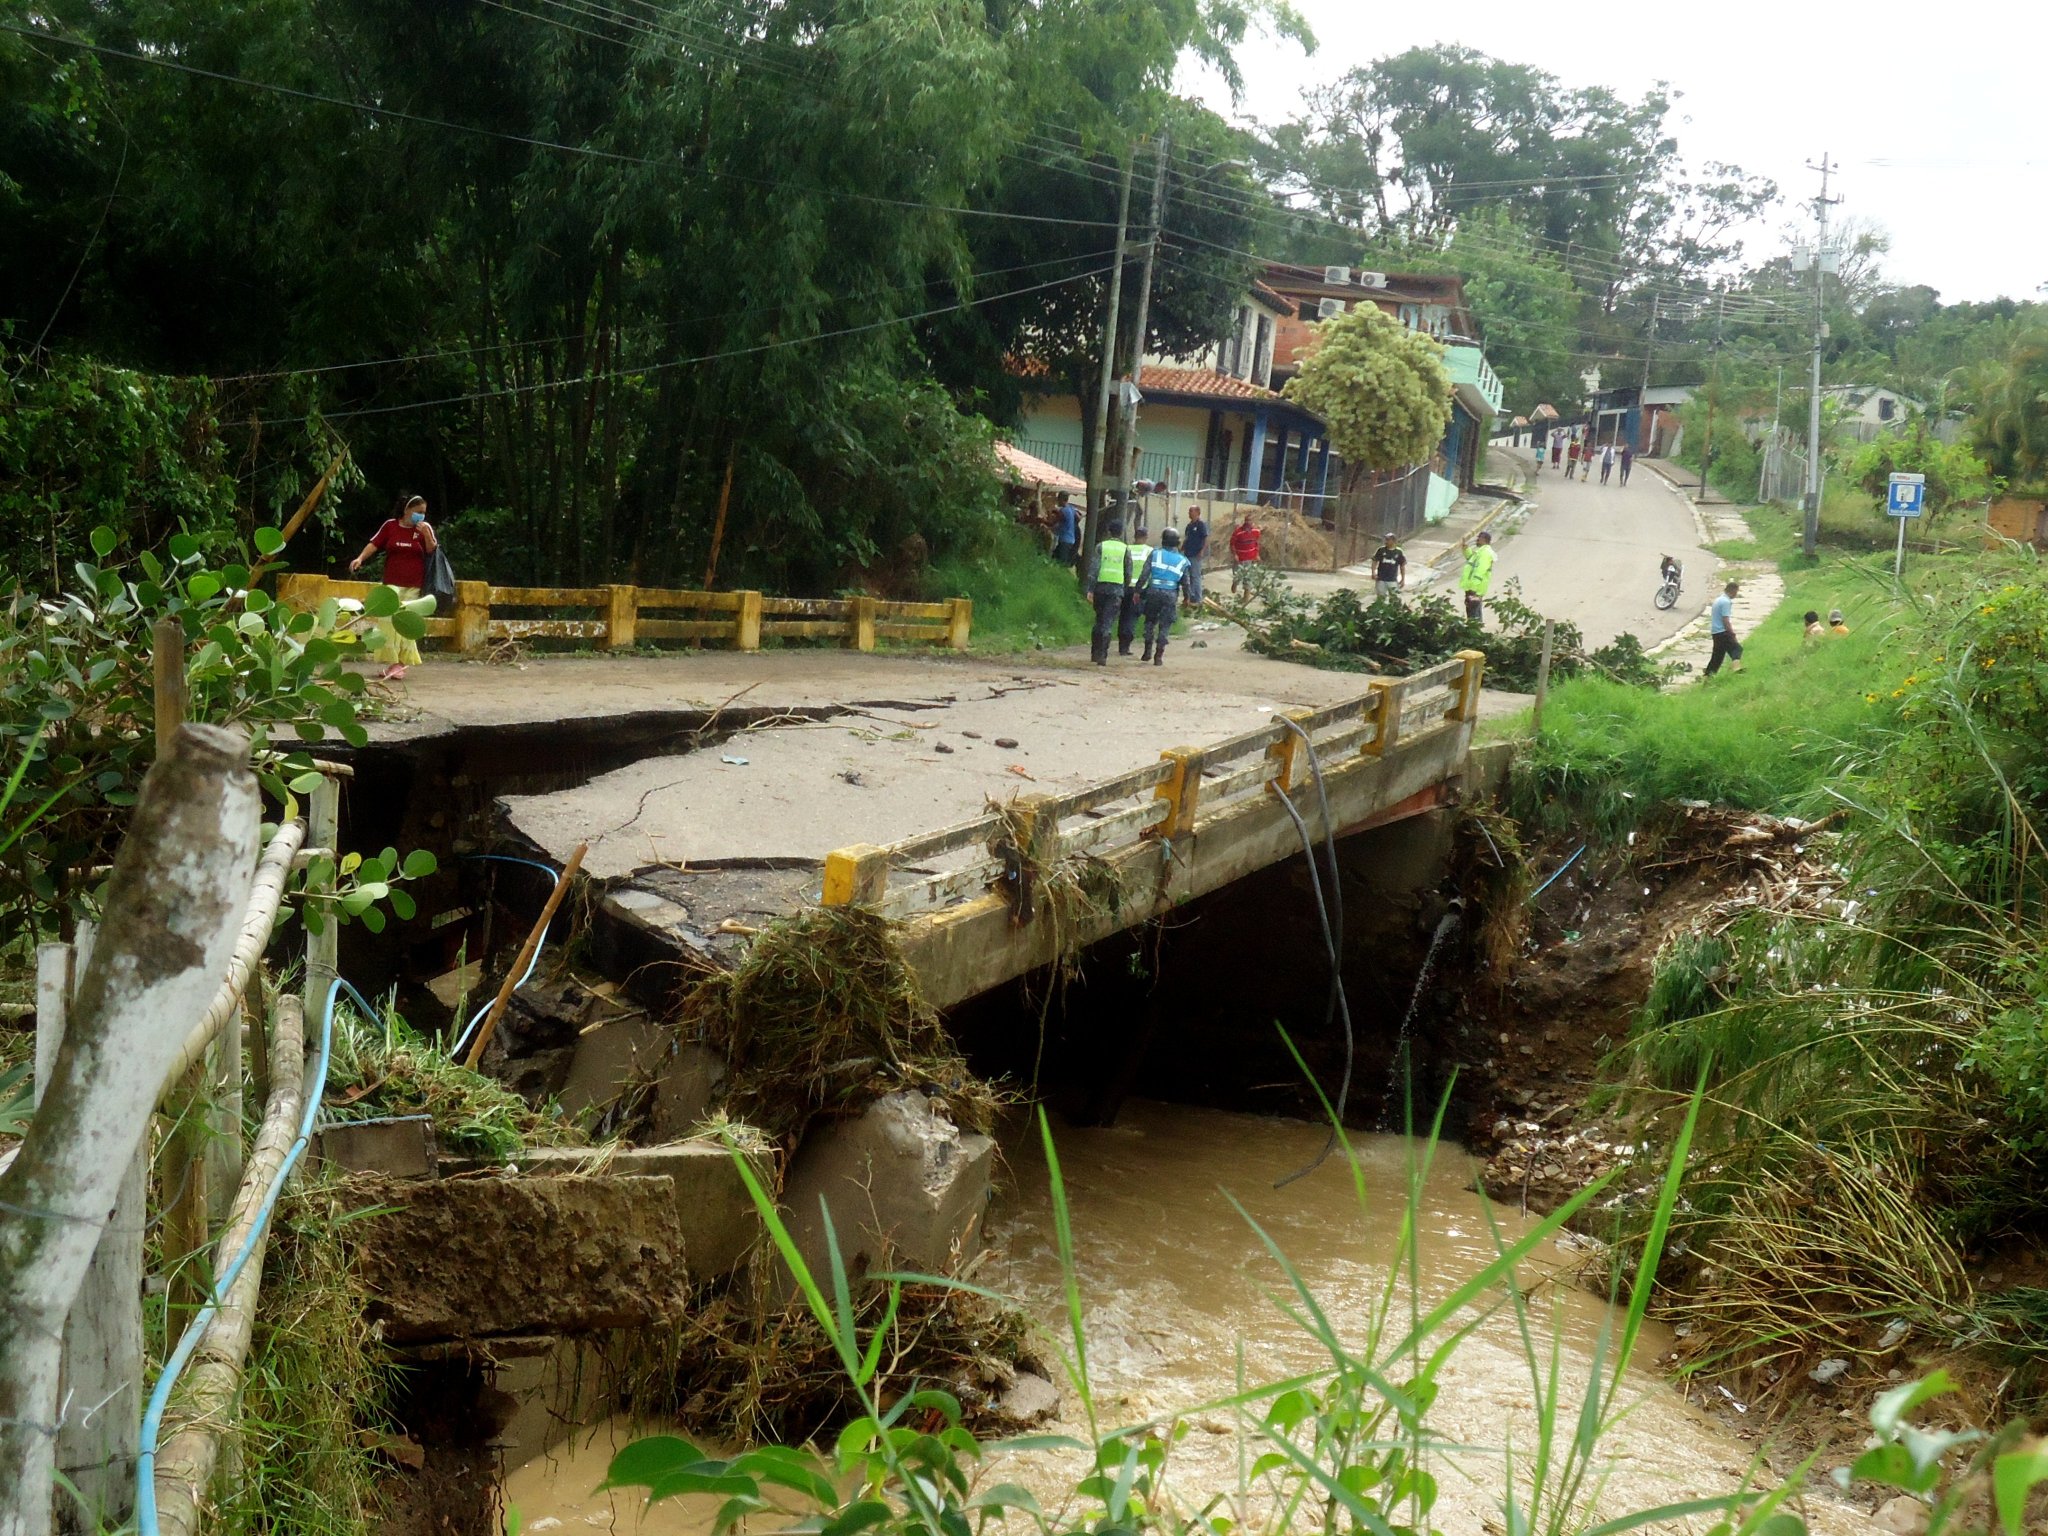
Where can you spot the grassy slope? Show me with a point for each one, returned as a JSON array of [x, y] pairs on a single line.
[[1022, 601], [1767, 738]]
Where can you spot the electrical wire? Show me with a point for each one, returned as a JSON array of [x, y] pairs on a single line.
[[224, 1282], [195, 1330], [1339, 1006], [678, 362], [462, 1040], [399, 360], [396, 114]]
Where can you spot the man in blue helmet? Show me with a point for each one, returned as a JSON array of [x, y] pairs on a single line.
[[1160, 584]]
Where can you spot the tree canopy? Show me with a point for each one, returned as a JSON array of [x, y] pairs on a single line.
[[1380, 389]]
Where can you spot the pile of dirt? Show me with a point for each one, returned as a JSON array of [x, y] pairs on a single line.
[[1292, 542]]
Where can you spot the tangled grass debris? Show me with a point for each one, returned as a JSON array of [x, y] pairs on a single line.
[[384, 1068], [823, 1015]]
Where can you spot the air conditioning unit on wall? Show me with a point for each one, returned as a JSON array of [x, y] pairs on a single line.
[[1336, 274], [1372, 279], [1329, 308]]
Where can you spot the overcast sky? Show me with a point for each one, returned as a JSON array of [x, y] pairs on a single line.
[[1933, 111]]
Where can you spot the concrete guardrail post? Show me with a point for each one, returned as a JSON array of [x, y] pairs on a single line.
[[621, 618], [1289, 751], [472, 616], [856, 876], [860, 623], [1386, 716], [1184, 788], [746, 629], [959, 622], [1467, 709], [1037, 845]]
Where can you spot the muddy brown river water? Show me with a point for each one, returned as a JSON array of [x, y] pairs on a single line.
[[1174, 1283]]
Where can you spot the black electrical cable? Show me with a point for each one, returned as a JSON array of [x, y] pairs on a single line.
[[1339, 1006]]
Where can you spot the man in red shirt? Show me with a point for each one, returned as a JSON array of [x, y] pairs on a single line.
[[1244, 549], [406, 541]]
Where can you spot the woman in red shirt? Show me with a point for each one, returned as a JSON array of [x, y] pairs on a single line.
[[406, 541]]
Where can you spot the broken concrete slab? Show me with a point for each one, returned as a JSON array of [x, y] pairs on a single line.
[[715, 1216], [902, 1183], [475, 1257], [691, 1086], [613, 1058], [402, 1147]]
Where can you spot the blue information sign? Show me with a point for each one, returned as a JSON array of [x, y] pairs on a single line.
[[1904, 495]]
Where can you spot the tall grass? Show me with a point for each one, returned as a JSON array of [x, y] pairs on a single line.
[[1022, 601], [1768, 738]]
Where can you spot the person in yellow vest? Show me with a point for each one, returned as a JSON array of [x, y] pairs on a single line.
[[1477, 576], [1112, 580]]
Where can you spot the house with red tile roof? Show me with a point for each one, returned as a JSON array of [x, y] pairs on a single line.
[[1212, 424]]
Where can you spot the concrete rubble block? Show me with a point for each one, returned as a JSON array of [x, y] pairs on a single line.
[[1030, 1399], [904, 1185], [611, 1058], [714, 1214], [477, 1257], [403, 1147], [690, 1087]]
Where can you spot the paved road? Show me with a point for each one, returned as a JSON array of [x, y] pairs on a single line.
[[1587, 553]]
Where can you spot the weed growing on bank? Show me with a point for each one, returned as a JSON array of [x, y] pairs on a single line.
[[1022, 601], [1876, 1051]]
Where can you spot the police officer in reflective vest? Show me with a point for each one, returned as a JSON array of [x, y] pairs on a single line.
[[1161, 582], [1112, 579]]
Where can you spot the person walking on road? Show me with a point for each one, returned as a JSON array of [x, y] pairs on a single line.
[[1112, 579], [1571, 461], [1628, 459], [1244, 554], [1606, 462], [1389, 569], [1721, 626], [406, 541], [1477, 576], [1192, 543], [1556, 449], [1160, 583]]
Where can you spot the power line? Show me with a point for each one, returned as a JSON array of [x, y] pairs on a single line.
[[660, 325], [679, 362], [396, 114]]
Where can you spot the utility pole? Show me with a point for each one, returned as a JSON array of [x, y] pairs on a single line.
[[1820, 331], [1127, 437], [1093, 532], [1713, 394], [1763, 468], [1643, 398]]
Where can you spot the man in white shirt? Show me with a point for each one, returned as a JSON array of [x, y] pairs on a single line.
[[1721, 626]]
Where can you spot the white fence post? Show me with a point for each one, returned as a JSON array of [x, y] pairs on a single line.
[[174, 902]]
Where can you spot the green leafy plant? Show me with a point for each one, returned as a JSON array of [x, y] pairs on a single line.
[[76, 700], [1919, 1462]]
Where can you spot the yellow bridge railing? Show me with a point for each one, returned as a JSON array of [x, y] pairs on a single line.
[[622, 617], [1167, 799]]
